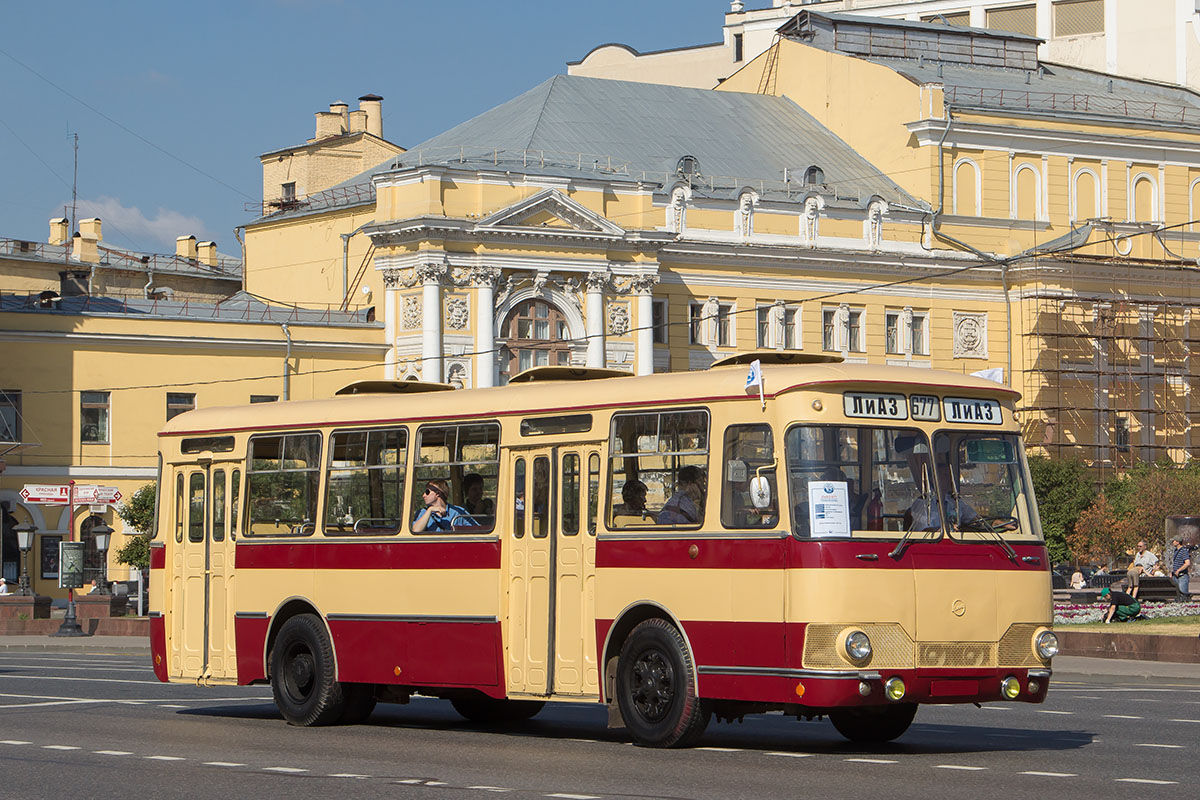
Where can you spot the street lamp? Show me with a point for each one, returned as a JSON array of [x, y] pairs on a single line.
[[103, 535], [25, 532]]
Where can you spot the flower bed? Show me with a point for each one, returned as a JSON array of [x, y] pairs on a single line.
[[1079, 613]]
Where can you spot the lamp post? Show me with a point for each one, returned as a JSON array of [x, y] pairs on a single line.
[[70, 624], [103, 535], [25, 532]]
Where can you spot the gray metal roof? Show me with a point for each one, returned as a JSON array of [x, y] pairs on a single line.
[[580, 126], [938, 27]]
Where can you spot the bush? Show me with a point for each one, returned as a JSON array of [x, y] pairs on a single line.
[[1064, 489], [138, 513]]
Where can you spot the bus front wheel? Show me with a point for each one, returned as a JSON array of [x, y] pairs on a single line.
[[656, 687], [302, 674], [873, 724]]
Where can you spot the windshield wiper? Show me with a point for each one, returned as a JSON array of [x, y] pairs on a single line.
[[987, 527], [898, 550]]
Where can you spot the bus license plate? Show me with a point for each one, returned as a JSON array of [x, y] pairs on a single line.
[[875, 405], [972, 411]]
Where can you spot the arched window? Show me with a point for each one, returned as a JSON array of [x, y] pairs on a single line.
[[1145, 199], [93, 566], [814, 175], [1086, 196], [967, 188], [536, 336], [1029, 190], [1194, 203]]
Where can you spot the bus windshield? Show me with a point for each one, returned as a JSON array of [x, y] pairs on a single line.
[[985, 487]]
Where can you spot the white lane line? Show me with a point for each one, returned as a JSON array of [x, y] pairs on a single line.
[[352, 775], [575, 796], [793, 755], [872, 761], [959, 766], [584, 741], [1051, 774], [1186, 720], [1121, 716], [283, 769], [106, 668], [13, 741], [1167, 746], [86, 680], [1073, 697], [223, 764], [411, 780], [1144, 700], [436, 783], [7, 706], [1145, 780], [59, 747], [490, 788], [112, 752], [721, 749], [170, 705], [996, 708], [165, 758], [1048, 711]]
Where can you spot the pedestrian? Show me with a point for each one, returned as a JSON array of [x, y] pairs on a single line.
[[1123, 606], [1143, 564], [1181, 562], [4, 586]]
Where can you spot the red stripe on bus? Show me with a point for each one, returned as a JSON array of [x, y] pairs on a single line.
[[158, 647], [460, 654], [677, 553], [250, 635], [398, 554], [158, 558]]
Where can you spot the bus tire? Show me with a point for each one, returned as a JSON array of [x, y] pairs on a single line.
[[478, 707], [873, 724], [302, 674], [656, 687], [359, 702]]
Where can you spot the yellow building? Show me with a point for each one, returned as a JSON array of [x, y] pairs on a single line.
[[99, 347]]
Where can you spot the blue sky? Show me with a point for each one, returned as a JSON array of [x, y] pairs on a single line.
[[214, 84]]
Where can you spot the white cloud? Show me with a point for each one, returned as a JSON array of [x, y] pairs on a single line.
[[129, 226]]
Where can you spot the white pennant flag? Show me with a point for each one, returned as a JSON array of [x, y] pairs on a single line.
[[755, 378]]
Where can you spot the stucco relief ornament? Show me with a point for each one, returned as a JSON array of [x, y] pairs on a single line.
[[643, 284], [504, 287], [874, 231], [618, 319], [598, 281], [430, 273], [485, 276], [539, 282], [745, 217], [398, 278], [677, 211], [709, 324], [970, 335], [457, 313], [410, 316], [456, 375]]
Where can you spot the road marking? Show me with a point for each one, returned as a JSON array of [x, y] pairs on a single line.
[[1074, 697], [959, 766], [47, 703], [411, 780], [165, 758], [490, 788], [1051, 774], [436, 783], [1145, 780], [1048, 711], [170, 705], [721, 749], [1121, 716], [349, 775], [996, 708], [1186, 720], [872, 761], [575, 796], [793, 755], [112, 752], [1169, 746], [1144, 700], [87, 680], [59, 747], [223, 764], [13, 741], [283, 769]]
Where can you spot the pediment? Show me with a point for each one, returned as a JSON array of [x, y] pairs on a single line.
[[550, 211]]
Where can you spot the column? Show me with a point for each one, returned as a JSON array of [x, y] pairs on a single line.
[[643, 288], [430, 276], [597, 282], [484, 279], [391, 319]]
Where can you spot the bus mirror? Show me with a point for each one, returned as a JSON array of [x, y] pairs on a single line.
[[760, 492]]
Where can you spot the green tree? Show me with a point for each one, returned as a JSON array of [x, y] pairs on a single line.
[[138, 513], [1064, 488]]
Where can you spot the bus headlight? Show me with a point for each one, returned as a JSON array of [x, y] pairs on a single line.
[[858, 646], [894, 688], [1046, 645], [1010, 687]]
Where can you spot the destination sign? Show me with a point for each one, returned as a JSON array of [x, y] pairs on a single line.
[[925, 407], [972, 411], [875, 405]]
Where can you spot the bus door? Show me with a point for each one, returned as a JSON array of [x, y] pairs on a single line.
[[201, 641], [578, 486], [530, 585]]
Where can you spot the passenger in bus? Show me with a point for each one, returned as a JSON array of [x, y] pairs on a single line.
[[438, 514], [473, 500], [633, 500], [686, 506]]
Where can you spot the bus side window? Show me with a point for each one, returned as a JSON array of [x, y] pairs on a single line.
[[519, 499], [749, 452], [179, 507], [235, 492], [218, 505], [593, 491], [467, 458], [658, 466], [284, 474], [570, 494], [364, 486]]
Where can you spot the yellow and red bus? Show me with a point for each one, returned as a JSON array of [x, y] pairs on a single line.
[[854, 542]]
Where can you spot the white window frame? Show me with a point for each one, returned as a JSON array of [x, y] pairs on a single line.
[[978, 185], [1155, 207], [1075, 193], [923, 316], [1038, 208]]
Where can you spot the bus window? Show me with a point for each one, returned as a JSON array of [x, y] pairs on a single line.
[[235, 491], [218, 505], [570, 494], [282, 484], [179, 507], [876, 478], [659, 469], [364, 491], [195, 526], [749, 451], [466, 457], [593, 491], [519, 499], [984, 486], [539, 514]]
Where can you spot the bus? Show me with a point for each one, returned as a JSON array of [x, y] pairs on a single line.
[[820, 538]]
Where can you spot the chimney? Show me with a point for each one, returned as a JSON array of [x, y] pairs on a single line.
[[60, 231], [206, 253], [373, 105], [358, 121], [73, 283], [185, 247], [90, 228], [332, 122]]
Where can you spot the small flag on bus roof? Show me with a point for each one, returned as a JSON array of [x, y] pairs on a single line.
[[755, 378]]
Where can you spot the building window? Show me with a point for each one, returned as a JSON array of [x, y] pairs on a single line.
[[93, 417], [1121, 434], [1017, 19], [762, 325], [288, 192], [10, 415], [723, 324], [179, 402], [842, 334], [788, 332], [658, 312], [854, 335], [829, 329], [920, 334], [1078, 17], [892, 332], [738, 51], [537, 337], [264, 398]]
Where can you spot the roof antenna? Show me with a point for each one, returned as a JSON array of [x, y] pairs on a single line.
[[74, 185]]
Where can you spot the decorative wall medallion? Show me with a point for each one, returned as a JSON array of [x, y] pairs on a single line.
[[618, 319], [410, 317], [457, 313], [970, 335], [456, 375]]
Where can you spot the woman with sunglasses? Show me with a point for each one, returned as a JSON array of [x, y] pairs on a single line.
[[438, 514]]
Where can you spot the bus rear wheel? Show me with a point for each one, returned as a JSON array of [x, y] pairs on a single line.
[[302, 674], [656, 687], [873, 724], [478, 707]]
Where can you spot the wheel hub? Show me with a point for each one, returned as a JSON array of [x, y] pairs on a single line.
[[653, 685]]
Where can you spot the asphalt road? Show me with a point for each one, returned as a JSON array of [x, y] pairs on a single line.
[[93, 725]]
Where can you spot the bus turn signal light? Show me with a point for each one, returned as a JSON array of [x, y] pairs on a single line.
[[799, 690]]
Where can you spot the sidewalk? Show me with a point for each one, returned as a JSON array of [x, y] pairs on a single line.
[[112, 645]]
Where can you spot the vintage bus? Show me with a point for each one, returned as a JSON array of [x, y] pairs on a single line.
[[856, 541]]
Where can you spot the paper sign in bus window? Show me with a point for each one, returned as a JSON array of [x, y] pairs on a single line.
[[828, 508]]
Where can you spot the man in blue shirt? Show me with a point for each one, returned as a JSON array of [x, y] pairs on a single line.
[[438, 514], [1180, 564]]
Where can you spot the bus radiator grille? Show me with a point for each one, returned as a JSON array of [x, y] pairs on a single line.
[[956, 654], [891, 648], [1016, 646]]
